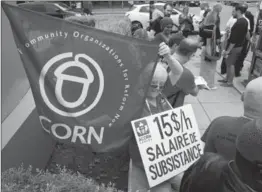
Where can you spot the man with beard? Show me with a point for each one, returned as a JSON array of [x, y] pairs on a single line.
[[240, 62], [156, 24], [236, 40]]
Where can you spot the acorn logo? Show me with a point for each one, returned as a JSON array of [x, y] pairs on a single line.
[[61, 77]]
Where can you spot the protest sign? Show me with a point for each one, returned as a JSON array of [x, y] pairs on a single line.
[[169, 142], [87, 84]]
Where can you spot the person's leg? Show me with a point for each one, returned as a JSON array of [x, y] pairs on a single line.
[[223, 67], [137, 180], [212, 75], [230, 62], [240, 60]]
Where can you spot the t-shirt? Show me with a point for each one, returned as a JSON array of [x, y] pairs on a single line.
[[184, 86], [239, 32], [162, 105], [233, 20], [221, 134]]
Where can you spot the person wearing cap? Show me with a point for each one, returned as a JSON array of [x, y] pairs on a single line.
[[244, 172], [222, 132], [166, 27], [155, 102], [186, 84]]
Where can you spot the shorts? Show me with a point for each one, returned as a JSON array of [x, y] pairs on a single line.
[[233, 56]]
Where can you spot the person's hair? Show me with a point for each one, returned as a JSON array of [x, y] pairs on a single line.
[[205, 175], [141, 34], [217, 7], [211, 18], [245, 7], [187, 47], [151, 2], [167, 4], [175, 39], [186, 7], [240, 8]]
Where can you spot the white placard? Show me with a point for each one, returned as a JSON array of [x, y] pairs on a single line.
[[169, 142]]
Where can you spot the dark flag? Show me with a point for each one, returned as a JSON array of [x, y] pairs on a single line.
[[87, 84]]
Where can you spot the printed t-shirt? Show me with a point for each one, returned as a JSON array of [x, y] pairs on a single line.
[[162, 106], [184, 86], [221, 135]]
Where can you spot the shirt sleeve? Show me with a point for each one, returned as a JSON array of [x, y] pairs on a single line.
[[186, 82]]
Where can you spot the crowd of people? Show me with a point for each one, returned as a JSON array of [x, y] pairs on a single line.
[[232, 159]]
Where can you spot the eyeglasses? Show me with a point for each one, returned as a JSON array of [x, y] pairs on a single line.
[[155, 86]]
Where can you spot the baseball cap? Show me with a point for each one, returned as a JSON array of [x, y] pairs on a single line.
[[253, 98], [249, 141]]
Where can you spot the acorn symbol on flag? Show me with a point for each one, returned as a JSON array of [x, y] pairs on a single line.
[[61, 77]]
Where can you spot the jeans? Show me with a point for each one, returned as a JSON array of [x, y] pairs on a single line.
[[137, 181]]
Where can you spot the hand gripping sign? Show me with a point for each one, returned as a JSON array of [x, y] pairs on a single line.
[[169, 143]]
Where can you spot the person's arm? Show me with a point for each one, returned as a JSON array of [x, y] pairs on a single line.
[[234, 37], [194, 91], [153, 26], [175, 67]]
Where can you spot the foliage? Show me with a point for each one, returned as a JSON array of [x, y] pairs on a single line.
[[24, 180]]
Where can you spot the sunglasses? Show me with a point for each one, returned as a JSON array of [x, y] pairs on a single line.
[[154, 86]]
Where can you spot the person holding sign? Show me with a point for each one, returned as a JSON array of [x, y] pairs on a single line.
[[156, 102]]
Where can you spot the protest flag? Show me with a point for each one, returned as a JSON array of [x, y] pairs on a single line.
[[87, 84]]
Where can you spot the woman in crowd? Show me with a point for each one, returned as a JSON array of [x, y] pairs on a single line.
[[166, 27], [156, 102], [186, 22], [205, 175], [211, 51]]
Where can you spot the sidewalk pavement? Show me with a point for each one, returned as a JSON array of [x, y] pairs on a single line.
[[211, 104]]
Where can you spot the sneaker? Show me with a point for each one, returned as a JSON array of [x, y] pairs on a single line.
[[213, 88], [222, 81], [227, 85]]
